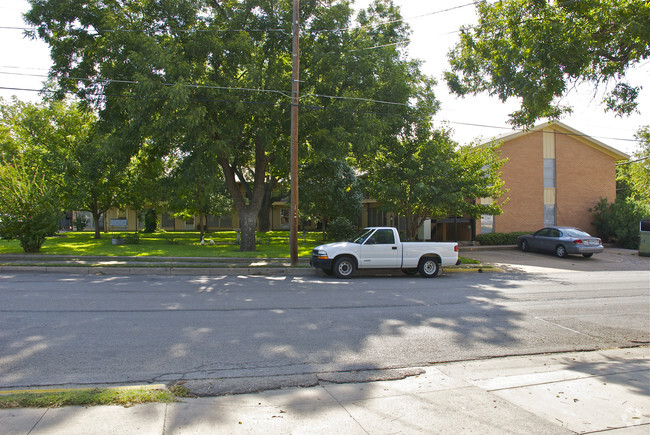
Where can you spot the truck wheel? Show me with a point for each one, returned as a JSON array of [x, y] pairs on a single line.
[[429, 267], [344, 267]]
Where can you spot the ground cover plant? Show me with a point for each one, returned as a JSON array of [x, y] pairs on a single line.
[[123, 396], [272, 244]]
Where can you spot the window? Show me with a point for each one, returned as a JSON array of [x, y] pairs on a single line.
[[167, 221], [384, 237], [549, 214], [487, 224], [549, 173]]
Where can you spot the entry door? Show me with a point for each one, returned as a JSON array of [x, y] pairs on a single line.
[[380, 250]]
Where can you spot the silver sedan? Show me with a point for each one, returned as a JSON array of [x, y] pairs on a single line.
[[561, 241]]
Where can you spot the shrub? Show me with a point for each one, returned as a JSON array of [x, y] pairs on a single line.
[[619, 222], [132, 238], [150, 221], [341, 228], [80, 222], [30, 208], [500, 238]]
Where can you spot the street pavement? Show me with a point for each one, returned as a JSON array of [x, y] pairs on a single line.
[[565, 393], [577, 392]]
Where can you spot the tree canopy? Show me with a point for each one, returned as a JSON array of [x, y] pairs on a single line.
[[215, 74], [30, 208], [633, 177], [536, 50], [426, 175]]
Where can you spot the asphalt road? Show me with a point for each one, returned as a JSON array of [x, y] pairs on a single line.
[[63, 330]]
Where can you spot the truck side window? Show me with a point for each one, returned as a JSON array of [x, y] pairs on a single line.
[[385, 237]]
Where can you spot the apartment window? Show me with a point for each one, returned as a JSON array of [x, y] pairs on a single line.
[[487, 224], [167, 221], [549, 214], [549, 173]]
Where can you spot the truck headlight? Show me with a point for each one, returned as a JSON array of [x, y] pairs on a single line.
[[322, 255]]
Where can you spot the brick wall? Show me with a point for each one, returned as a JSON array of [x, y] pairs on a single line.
[[584, 175], [524, 177]]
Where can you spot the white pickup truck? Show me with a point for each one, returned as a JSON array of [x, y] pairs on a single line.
[[381, 248]]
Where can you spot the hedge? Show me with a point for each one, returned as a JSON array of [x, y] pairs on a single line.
[[500, 238]]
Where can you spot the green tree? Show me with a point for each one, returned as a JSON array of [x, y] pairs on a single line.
[[72, 149], [195, 188], [213, 73], [426, 176], [619, 221], [330, 189], [633, 177], [30, 207], [536, 50]]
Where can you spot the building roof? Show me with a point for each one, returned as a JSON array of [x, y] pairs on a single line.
[[565, 129]]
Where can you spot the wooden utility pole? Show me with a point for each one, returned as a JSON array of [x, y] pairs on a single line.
[[295, 88]]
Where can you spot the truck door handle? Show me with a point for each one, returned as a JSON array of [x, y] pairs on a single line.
[[394, 248]]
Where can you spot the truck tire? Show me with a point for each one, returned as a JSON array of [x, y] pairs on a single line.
[[344, 267], [429, 267]]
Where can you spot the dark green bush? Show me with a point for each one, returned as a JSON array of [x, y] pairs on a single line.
[[500, 238], [150, 221], [132, 238], [619, 222], [80, 222], [340, 228], [29, 206]]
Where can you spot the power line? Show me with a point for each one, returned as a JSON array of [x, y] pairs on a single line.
[[313, 107], [225, 88]]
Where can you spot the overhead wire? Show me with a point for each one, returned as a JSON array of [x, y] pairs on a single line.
[[317, 107]]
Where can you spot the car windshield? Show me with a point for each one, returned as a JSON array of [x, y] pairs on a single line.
[[362, 236], [574, 232]]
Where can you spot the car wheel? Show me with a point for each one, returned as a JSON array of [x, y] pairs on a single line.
[[524, 246], [560, 251], [344, 267], [429, 267], [588, 255], [410, 271]]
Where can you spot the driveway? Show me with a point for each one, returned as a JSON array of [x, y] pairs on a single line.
[[513, 260]]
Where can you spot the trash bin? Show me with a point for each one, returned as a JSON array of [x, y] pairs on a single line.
[[644, 242]]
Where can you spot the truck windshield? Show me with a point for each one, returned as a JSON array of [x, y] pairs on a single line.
[[362, 236]]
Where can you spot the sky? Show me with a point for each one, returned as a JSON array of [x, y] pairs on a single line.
[[24, 62]]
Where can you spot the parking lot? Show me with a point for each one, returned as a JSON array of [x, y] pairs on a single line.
[[513, 260]]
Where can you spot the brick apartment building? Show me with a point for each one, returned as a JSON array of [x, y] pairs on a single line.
[[554, 174]]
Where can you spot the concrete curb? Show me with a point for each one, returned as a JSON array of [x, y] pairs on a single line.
[[214, 271]]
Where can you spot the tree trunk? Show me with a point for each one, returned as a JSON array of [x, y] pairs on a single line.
[[94, 210], [248, 223], [248, 211], [201, 226], [265, 211], [96, 215], [264, 218]]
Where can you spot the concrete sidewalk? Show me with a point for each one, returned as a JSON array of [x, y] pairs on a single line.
[[579, 392]]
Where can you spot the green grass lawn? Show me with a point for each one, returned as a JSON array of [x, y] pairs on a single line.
[[273, 244]]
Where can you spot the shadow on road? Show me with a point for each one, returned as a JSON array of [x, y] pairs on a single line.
[[250, 330]]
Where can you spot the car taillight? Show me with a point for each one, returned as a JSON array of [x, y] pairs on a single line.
[[578, 242], [600, 242], [456, 248]]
